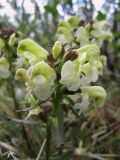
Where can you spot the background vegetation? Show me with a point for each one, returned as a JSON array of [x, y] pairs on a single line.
[[99, 137]]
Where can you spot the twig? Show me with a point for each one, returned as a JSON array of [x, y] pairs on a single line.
[[9, 147], [22, 121], [106, 135], [100, 136], [91, 155], [41, 149], [109, 155], [32, 107]]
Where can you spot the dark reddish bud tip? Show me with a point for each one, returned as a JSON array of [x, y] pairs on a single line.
[[50, 57], [72, 55]]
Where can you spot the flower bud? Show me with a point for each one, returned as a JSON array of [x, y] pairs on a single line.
[[12, 40], [71, 55], [56, 50], [21, 74], [87, 27], [66, 25], [74, 21], [66, 32]]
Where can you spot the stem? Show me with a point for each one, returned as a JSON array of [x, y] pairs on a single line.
[[48, 139], [59, 115]]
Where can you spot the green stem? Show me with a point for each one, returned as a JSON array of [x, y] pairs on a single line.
[[59, 115], [57, 112]]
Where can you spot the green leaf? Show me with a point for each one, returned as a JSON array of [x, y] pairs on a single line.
[[51, 9], [101, 16]]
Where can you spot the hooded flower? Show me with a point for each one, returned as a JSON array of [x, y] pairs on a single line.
[[30, 50], [70, 76], [96, 93], [90, 74], [92, 53], [81, 71], [82, 36], [64, 34], [100, 32], [40, 79]]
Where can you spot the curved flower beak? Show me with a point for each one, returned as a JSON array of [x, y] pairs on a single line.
[[29, 49]]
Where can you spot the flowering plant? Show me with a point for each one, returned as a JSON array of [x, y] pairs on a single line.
[[57, 77], [63, 78]]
